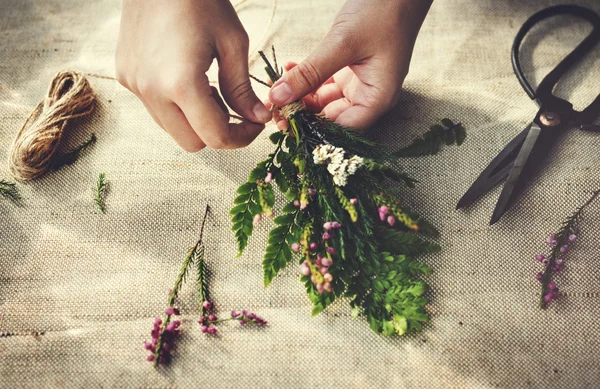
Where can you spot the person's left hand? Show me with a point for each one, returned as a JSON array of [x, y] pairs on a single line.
[[356, 73]]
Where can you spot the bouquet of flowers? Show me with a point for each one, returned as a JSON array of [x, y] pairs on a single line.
[[343, 222]]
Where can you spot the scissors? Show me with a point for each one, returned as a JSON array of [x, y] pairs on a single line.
[[522, 157]]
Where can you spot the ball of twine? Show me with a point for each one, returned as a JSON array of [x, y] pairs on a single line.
[[69, 96]]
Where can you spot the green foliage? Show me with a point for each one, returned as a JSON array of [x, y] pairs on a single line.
[[70, 157], [9, 190], [362, 258], [448, 133], [402, 242], [100, 193], [278, 252]]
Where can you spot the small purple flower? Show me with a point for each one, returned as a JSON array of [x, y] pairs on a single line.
[[328, 277], [391, 220], [326, 236], [234, 314], [150, 358], [551, 240], [296, 203], [319, 261], [212, 330], [551, 285], [251, 316], [304, 269], [243, 322], [383, 209], [559, 262], [201, 320], [204, 329], [320, 288], [313, 246], [564, 249], [327, 287], [336, 225], [548, 298], [382, 216], [295, 247], [572, 238], [212, 317], [207, 305], [326, 262], [312, 192], [545, 261], [149, 346], [539, 276], [269, 178], [244, 312], [327, 226], [353, 201], [539, 257], [331, 250], [313, 279], [323, 270], [171, 311]]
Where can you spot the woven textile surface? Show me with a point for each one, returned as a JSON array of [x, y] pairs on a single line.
[[79, 289]]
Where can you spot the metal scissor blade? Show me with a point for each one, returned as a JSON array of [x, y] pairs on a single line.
[[535, 147], [496, 171]]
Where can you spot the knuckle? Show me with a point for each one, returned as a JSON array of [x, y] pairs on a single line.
[[178, 85], [307, 75], [241, 90], [144, 86]]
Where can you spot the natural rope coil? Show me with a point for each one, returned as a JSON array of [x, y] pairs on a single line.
[[70, 96]]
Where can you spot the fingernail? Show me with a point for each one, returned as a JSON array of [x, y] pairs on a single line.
[[281, 94], [262, 113]]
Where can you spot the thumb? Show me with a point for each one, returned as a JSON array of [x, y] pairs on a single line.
[[234, 82], [331, 55]]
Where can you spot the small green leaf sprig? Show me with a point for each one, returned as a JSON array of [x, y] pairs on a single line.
[[342, 222], [448, 133], [9, 190], [100, 192], [560, 244]]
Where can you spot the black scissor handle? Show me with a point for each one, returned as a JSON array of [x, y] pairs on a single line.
[[545, 88]]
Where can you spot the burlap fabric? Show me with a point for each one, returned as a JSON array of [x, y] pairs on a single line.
[[90, 284]]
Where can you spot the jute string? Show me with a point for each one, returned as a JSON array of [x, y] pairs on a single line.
[[288, 110], [69, 96]]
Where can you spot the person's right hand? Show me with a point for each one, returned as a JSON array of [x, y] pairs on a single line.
[[164, 50]]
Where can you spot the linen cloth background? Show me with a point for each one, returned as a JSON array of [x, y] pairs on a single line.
[[90, 284]]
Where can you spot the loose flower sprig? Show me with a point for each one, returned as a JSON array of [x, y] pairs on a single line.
[[560, 244], [343, 221], [166, 330]]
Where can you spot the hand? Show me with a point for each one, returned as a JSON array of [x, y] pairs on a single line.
[[164, 50], [356, 73]]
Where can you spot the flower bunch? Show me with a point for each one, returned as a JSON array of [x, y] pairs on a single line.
[[343, 223], [560, 244], [208, 320], [163, 337]]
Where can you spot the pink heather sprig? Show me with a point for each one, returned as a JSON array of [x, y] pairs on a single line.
[[163, 337], [560, 244], [208, 320]]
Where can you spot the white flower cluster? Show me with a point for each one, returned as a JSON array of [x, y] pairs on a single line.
[[339, 167]]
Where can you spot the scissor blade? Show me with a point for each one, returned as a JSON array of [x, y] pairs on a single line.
[[535, 147], [496, 171]]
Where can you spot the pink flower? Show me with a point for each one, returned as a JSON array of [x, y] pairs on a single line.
[[269, 178], [304, 269]]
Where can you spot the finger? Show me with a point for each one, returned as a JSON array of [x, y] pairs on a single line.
[[333, 110], [358, 117], [234, 82], [176, 124], [207, 117], [330, 56], [323, 96]]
